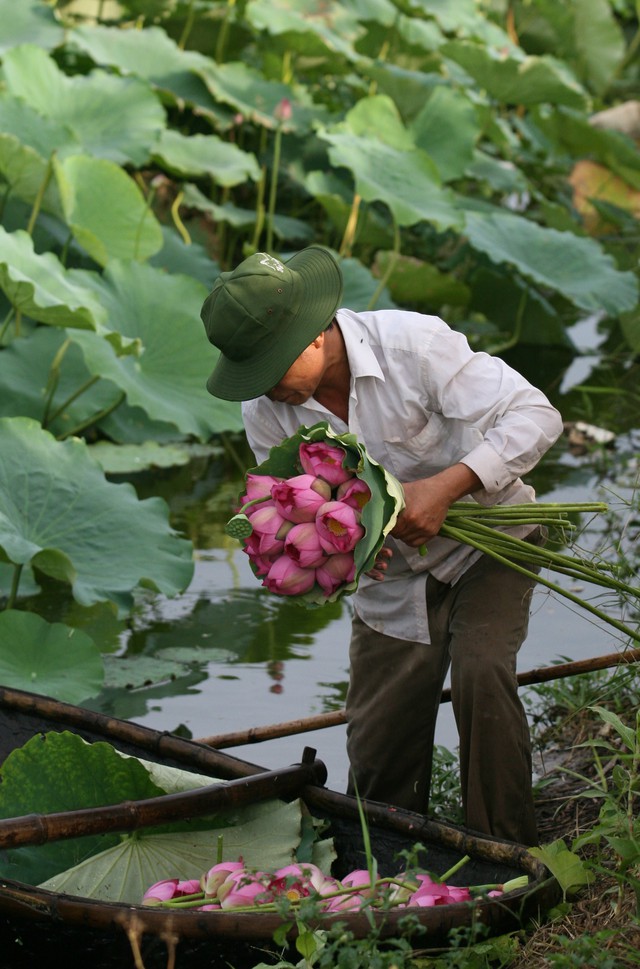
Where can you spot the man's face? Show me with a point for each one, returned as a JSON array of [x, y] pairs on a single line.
[[302, 378]]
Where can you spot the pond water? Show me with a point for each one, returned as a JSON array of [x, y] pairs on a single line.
[[248, 658]]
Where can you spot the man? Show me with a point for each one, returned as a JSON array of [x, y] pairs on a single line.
[[449, 424]]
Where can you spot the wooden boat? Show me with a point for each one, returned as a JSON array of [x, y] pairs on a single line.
[[85, 932]]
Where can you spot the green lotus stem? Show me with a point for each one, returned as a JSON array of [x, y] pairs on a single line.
[[95, 418], [5, 323], [454, 868], [529, 509], [44, 184], [273, 187], [224, 31], [460, 535], [519, 548], [74, 396], [259, 211], [393, 258], [15, 585], [186, 30]]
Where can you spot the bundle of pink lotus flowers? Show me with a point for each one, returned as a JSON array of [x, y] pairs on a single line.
[[306, 527], [232, 886], [314, 515], [307, 520]]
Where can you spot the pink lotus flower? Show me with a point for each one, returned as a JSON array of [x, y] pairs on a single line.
[[170, 888], [299, 498], [285, 578], [258, 486], [436, 893], [338, 527], [354, 492], [359, 878], [310, 875], [338, 570], [241, 889], [212, 879], [302, 544], [270, 526], [325, 460], [261, 563]]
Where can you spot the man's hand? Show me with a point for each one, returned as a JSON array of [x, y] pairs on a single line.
[[379, 569], [427, 502]]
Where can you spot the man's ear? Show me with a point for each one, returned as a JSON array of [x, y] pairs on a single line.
[[319, 340]]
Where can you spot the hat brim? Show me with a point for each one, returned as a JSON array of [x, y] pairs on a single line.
[[320, 294]]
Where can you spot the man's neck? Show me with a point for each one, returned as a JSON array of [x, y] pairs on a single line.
[[333, 390]]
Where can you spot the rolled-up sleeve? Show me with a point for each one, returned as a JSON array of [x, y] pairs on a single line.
[[517, 422]]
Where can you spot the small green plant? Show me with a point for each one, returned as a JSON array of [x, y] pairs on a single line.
[[585, 950], [616, 834], [445, 800]]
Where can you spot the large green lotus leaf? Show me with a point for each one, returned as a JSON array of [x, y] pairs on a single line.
[[124, 872], [417, 283], [246, 90], [379, 114], [178, 256], [105, 210], [452, 17], [585, 33], [133, 458], [311, 28], [574, 132], [61, 772], [360, 288], [447, 128], [152, 55], [27, 141], [424, 34], [227, 164], [40, 287], [48, 658], [25, 375], [168, 379], [37, 130], [59, 514], [501, 176], [600, 42], [148, 53], [132, 425], [123, 133], [28, 584], [28, 20], [284, 227], [409, 88], [517, 80], [24, 170], [575, 267], [333, 190], [507, 301], [406, 181]]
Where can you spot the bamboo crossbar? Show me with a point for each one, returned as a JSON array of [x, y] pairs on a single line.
[[35, 829], [334, 718]]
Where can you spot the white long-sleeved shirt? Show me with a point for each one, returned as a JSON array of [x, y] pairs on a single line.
[[420, 401]]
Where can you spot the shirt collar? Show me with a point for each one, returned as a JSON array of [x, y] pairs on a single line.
[[362, 360]]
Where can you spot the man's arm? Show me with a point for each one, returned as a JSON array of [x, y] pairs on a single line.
[[428, 500]]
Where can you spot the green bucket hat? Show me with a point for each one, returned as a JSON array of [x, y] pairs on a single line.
[[264, 314]]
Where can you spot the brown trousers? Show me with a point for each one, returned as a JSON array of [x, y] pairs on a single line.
[[477, 627]]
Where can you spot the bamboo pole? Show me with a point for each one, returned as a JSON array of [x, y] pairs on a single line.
[[37, 829], [334, 718]]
